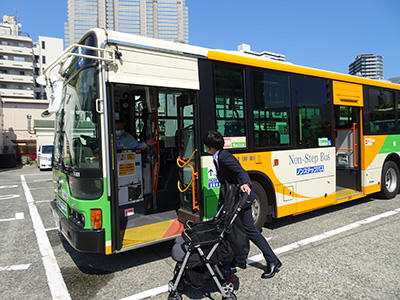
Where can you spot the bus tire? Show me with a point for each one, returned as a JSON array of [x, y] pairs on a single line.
[[259, 207], [390, 180]]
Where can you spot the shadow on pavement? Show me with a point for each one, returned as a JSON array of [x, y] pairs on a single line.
[[277, 223]]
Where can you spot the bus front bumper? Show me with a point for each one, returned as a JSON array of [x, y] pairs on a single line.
[[83, 240]]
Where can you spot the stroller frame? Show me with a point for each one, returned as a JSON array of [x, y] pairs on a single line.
[[226, 288]]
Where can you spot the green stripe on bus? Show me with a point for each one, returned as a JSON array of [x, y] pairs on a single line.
[[391, 144]]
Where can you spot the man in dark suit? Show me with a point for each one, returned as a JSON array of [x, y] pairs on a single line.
[[229, 170]]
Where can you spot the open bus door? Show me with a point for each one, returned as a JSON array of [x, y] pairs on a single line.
[[155, 186], [188, 160], [348, 105]]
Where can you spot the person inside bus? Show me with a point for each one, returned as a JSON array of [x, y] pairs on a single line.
[[229, 170], [126, 140]]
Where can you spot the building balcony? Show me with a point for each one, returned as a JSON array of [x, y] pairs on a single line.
[[15, 50], [16, 78], [6, 93], [26, 65], [17, 38]]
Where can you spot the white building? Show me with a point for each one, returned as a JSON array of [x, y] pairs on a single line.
[[162, 19], [45, 50], [367, 65], [16, 64], [22, 99]]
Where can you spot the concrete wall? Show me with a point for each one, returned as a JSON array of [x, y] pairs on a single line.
[[15, 120]]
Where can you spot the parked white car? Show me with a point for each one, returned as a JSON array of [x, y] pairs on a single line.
[[44, 157]]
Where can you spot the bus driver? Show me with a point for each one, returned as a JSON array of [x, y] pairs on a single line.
[[126, 140]]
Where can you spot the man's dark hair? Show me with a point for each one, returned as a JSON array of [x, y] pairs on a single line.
[[214, 139]]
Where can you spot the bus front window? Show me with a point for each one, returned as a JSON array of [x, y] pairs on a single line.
[[81, 145]]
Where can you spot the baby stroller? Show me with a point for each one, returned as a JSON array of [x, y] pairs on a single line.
[[211, 249]]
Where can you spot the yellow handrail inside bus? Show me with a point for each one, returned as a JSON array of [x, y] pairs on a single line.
[[186, 188], [182, 164]]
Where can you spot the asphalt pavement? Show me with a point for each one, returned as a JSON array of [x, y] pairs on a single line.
[[348, 251]]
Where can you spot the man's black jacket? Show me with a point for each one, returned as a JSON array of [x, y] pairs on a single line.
[[229, 170]]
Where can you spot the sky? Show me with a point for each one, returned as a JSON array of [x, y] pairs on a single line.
[[322, 34]]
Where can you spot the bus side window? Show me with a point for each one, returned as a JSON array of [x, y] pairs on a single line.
[[271, 109], [313, 112], [229, 104]]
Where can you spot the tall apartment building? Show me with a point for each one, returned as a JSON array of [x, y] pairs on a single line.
[[22, 99], [22, 60], [367, 65], [16, 64], [163, 19]]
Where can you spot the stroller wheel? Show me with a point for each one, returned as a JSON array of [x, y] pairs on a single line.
[[228, 287], [231, 296], [175, 296]]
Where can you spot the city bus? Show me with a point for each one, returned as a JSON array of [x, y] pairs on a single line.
[[308, 138]]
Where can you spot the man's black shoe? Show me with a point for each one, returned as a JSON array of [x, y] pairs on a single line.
[[272, 269], [242, 264]]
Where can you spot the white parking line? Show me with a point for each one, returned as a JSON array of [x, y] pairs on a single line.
[[42, 180], [51, 229], [44, 201], [7, 197], [15, 267], [18, 216], [259, 257], [8, 186], [58, 289]]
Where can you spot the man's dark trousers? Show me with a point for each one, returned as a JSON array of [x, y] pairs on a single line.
[[229, 170], [255, 236]]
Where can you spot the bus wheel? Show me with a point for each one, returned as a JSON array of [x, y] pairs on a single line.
[[259, 208], [390, 180]]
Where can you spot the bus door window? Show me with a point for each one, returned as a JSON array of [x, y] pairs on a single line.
[[347, 136], [185, 141]]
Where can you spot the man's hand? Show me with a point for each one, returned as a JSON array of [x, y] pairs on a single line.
[[245, 188]]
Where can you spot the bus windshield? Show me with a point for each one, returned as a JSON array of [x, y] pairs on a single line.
[[81, 140]]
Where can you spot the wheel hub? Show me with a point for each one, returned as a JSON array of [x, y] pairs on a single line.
[[391, 180]]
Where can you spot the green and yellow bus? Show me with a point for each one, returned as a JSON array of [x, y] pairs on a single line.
[[308, 138]]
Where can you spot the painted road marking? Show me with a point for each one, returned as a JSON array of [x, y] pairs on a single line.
[[259, 257], [15, 267], [7, 197], [18, 216], [51, 229], [55, 280], [43, 201], [328, 234], [33, 174], [42, 180], [8, 186]]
